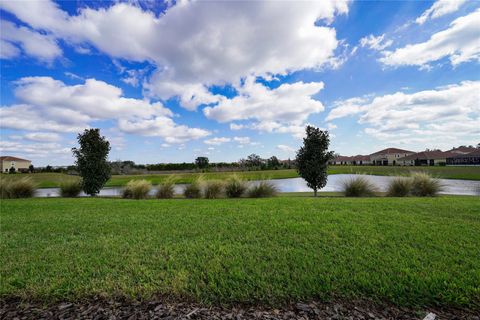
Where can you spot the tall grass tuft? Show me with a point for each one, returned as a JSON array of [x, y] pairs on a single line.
[[263, 189], [137, 189], [21, 188], [193, 190], [166, 190], [213, 189], [358, 187], [399, 187], [70, 189], [235, 187], [423, 185]]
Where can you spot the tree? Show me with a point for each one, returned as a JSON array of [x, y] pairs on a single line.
[[31, 168], [312, 158], [91, 160], [273, 162], [253, 160], [201, 162]]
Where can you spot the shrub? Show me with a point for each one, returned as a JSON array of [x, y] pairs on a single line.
[[21, 188], [193, 190], [137, 189], [70, 189], [166, 190], [235, 187], [358, 187], [213, 189], [263, 189], [399, 187], [424, 186]]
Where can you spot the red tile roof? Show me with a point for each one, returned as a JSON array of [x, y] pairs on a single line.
[[427, 155], [463, 149], [391, 150], [9, 158]]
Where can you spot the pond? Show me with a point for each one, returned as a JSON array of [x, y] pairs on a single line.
[[450, 186]]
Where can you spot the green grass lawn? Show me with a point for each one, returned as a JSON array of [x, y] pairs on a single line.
[[411, 251], [48, 180]]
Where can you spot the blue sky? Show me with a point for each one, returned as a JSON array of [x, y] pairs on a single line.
[[167, 82]]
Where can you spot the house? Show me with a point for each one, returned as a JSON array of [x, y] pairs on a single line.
[[19, 164], [426, 158], [472, 158], [354, 160], [463, 150], [389, 156]]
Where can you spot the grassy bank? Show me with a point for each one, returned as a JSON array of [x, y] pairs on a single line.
[[48, 180], [406, 251]]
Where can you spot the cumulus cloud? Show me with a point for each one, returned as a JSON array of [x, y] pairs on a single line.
[[192, 56], [242, 140], [449, 112], [217, 141], [42, 136], [34, 149], [376, 43], [459, 43], [50, 104], [440, 8], [285, 148], [35, 44], [291, 103]]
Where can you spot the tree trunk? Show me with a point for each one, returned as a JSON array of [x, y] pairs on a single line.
[[315, 192]]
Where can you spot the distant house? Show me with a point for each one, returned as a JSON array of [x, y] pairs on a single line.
[[425, 158], [463, 150], [354, 160], [472, 158], [19, 164], [389, 156]]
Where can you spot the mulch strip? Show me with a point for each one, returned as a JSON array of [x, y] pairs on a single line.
[[158, 309]]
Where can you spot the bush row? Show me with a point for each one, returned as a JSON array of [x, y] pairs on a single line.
[[418, 184], [233, 187]]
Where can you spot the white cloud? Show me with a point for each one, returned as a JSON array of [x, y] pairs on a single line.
[[217, 141], [290, 103], [460, 43], [52, 105], [192, 56], [342, 108], [440, 8], [235, 126], [376, 43], [441, 114], [33, 149], [42, 136], [285, 148], [35, 44], [242, 140]]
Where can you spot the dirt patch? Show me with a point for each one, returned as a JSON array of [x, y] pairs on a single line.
[[158, 309]]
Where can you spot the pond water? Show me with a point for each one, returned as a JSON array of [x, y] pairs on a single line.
[[457, 187]]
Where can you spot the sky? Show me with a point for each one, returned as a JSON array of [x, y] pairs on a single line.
[[171, 81]]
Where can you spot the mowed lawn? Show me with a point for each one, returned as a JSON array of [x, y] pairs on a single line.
[[48, 180], [409, 251]]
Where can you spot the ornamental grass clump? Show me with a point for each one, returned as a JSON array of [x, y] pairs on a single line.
[[70, 189], [399, 187], [213, 189], [193, 190], [235, 187], [423, 185], [21, 188], [358, 187], [263, 189], [166, 190], [137, 189]]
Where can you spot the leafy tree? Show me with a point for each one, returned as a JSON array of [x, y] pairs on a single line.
[[201, 162], [273, 162], [11, 170], [253, 160], [312, 158], [91, 160], [48, 168], [31, 168]]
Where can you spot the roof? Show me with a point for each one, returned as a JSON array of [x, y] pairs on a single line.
[[352, 158], [463, 149], [427, 155], [392, 150], [467, 155], [9, 158], [343, 158]]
